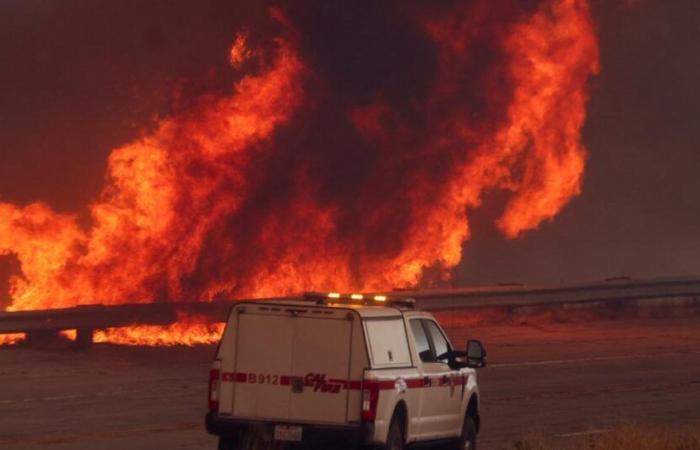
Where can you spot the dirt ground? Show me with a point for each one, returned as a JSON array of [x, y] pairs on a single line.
[[556, 379]]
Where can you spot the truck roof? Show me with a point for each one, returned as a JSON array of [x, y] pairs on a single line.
[[364, 310]]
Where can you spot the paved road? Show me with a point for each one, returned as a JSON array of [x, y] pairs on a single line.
[[572, 380], [554, 379]]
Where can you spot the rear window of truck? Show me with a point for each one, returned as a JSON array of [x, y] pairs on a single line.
[[387, 343]]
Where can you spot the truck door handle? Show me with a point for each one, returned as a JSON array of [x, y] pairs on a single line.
[[445, 379], [426, 381]]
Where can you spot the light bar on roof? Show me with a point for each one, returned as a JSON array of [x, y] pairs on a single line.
[[365, 299]]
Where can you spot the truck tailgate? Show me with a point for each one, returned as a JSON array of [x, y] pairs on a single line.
[[292, 366]]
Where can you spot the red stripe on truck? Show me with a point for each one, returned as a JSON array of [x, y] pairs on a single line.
[[413, 383], [311, 380], [233, 376]]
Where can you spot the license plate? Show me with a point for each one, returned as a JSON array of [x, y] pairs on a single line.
[[287, 433]]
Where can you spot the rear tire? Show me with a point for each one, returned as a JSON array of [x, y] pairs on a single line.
[[395, 439], [467, 441], [228, 444], [258, 438]]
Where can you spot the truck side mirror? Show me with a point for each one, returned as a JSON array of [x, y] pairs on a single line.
[[426, 356], [476, 354]]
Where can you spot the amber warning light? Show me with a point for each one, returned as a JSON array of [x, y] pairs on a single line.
[[365, 299]]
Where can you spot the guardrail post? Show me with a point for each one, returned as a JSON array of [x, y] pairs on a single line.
[[83, 338]]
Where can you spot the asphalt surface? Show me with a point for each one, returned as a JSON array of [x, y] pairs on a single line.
[[554, 379]]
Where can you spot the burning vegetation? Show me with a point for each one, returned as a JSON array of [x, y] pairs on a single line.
[[288, 183]]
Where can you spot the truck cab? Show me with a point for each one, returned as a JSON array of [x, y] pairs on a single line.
[[334, 370]]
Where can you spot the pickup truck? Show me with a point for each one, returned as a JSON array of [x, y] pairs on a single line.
[[334, 370]]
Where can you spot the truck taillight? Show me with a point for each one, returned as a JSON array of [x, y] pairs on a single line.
[[370, 399], [214, 385]]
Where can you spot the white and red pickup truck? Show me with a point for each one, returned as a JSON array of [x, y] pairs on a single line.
[[333, 370]]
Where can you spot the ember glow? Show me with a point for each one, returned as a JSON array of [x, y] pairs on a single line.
[[235, 197], [9, 339]]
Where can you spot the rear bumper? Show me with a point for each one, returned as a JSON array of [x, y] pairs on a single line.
[[351, 435]]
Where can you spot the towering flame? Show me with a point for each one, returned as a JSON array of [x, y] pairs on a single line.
[[240, 196]]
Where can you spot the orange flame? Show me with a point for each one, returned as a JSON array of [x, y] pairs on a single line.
[[137, 231], [189, 330], [240, 52], [10, 339], [553, 54], [161, 230]]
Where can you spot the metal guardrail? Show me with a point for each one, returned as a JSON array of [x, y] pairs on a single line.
[[619, 291], [91, 317], [110, 316]]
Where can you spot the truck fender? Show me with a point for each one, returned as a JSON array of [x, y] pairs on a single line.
[[473, 410], [402, 410]]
